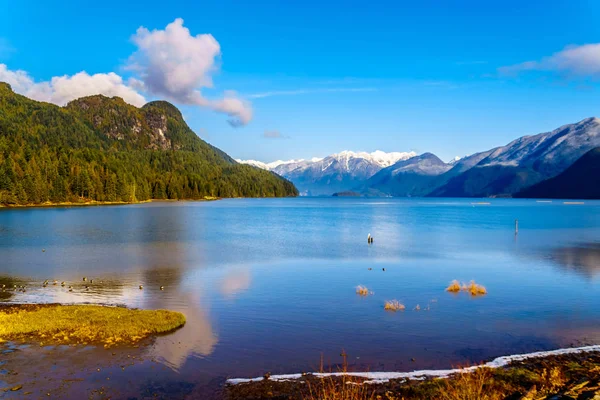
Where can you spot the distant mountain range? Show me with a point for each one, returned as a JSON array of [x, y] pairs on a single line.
[[416, 176], [334, 173], [502, 171], [506, 170]]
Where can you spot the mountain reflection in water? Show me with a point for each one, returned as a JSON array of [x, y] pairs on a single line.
[[583, 259]]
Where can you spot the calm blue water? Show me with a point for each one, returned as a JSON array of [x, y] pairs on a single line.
[[269, 284]]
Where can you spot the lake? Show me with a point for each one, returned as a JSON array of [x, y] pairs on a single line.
[[268, 285]]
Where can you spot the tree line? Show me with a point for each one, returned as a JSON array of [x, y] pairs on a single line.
[[54, 154]]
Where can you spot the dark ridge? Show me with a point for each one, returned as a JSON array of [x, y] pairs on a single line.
[[580, 181]]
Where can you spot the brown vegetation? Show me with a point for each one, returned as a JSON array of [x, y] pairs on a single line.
[[393, 305], [362, 290], [469, 386], [347, 388], [454, 287], [83, 324], [573, 376], [476, 289], [473, 288]]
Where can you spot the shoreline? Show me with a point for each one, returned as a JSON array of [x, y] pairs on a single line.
[[383, 377], [94, 203], [572, 372]]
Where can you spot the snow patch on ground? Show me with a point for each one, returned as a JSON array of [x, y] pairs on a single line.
[[382, 377]]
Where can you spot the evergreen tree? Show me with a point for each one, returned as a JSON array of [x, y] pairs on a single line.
[[103, 149]]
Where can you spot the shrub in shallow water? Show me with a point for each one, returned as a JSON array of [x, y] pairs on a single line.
[[393, 305], [362, 290], [476, 289], [473, 288], [454, 287], [82, 324]]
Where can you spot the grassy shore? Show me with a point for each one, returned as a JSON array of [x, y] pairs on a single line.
[[84, 203], [83, 324], [572, 376]]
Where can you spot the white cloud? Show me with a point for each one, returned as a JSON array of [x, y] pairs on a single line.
[[174, 64], [19, 80], [169, 63], [581, 61], [238, 109], [307, 91], [62, 89]]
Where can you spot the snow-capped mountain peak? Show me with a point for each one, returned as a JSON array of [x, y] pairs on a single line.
[[378, 157], [339, 171], [455, 160], [254, 163], [386, 159], [278, 163]]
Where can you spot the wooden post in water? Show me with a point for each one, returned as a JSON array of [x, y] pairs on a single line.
[[516, 226], [345, 362]]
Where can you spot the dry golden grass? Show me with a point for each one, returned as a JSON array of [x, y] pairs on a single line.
[[473, 288], [346, 388], [454, 287], [552, 379], [469, 386], [82, 324], [393, 305], [362, 290], [476, 289]]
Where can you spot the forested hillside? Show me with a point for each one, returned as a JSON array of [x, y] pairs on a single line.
[[103, 149]]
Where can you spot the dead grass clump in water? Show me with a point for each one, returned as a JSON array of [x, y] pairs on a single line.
[[82, 324], [473, 288], [393, 305], [476, 289], [454, 287], [362, 290], [476, 385], [343, 388]]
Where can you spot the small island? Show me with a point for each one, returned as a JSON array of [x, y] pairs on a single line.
[[347, 193], [83, 324]]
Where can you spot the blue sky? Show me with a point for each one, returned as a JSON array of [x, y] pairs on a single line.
[[312, 78]]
